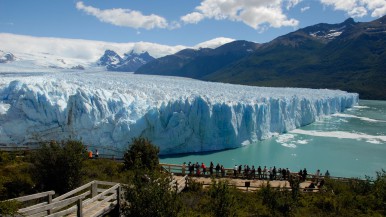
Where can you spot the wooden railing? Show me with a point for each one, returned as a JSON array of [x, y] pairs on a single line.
[[91, 199], [178, 170]]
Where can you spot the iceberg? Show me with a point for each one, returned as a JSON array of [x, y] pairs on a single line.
[[180, 115]]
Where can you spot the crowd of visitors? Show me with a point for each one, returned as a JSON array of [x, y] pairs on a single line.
[[247, 172]]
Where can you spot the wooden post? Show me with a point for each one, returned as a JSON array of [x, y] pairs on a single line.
[[49, 200], [119, 200], [94, 189], [79, 208]]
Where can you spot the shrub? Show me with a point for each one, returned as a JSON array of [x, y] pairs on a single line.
[[223, 202], [58, 167], [151, 195], [142, 155]]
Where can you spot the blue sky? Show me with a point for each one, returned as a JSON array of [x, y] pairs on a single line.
[[177, 22]]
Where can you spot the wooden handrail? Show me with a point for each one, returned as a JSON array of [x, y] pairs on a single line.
[[34, 196], [73, 191], [58, 204]]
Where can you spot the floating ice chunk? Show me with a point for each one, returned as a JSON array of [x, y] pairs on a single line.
[[343, 135]]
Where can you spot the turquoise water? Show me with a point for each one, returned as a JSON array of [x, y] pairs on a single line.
[[351, 144]]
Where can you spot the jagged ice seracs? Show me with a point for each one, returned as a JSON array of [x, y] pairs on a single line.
[[179, 115]]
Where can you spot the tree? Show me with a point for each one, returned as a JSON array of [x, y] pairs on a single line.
[[223, 202], [142, 155], [58, 167], [151, 195]]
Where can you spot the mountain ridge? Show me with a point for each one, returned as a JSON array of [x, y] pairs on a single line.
[[350, 56]]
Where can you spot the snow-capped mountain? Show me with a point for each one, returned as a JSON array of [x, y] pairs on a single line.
[[6, 57], [177, 114], [129, 63], [329, 32], [41, 53]]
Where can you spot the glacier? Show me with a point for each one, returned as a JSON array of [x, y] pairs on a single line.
[[180, 115]]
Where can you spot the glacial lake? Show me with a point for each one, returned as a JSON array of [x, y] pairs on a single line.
[[350, 144]]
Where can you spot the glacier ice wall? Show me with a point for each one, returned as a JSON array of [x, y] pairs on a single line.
[[177, 114]]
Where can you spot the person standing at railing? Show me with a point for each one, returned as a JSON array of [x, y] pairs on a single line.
[[203, 167], [198, 172], [211, 168], [259, 172], [253, 172], [235, 171], [96, 153], [183, 168], [217, 169], [304, 175], [317, 174], [90, 154]]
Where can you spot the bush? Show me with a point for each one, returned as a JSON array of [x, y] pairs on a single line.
[[151, 195], [9, 207], [58, 167], [142, 155], [223, 202]]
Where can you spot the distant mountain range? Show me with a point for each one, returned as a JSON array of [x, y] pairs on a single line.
[[129, 63], [349, 56], [6, 57], [29, 53]]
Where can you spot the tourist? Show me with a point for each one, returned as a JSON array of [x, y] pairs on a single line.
[[190, 167], [240, 169], [183, 168], [259, 172], [203, 167], [270, 173], [311, 187], [317, 174], [90, 154], [217, 169], [284, 173], [245, 171], [288, 172], [327, 174], [253, 172], [235, 171], [304, 175], [265, 172], [211, 168], [222, 171], [274, 172], [96, 153], [198, 172]]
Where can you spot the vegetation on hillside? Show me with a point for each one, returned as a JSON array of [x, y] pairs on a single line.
[[149, 193]]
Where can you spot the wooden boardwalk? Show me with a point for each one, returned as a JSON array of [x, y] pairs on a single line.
[[95, 198]]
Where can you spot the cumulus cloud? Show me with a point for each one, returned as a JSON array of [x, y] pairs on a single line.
[[124, 17], [358, 8], [256, 14], [304, 9], [194, 17], [292, 3]]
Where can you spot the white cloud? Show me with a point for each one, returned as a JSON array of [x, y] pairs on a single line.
[[358, 8], [292, 3], [256, 14], [87, 50], [124, 17], [214, 43], [194, 17], [304, 9]]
